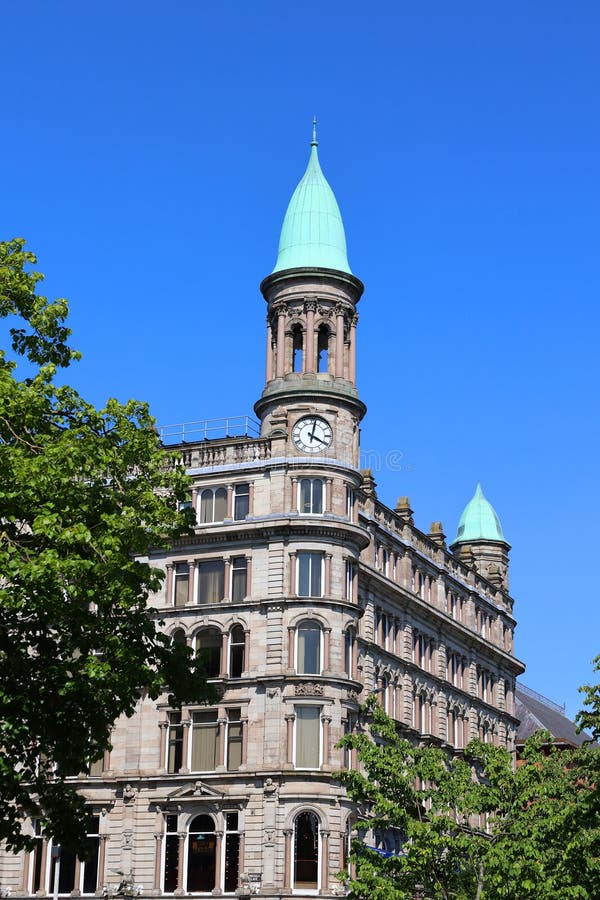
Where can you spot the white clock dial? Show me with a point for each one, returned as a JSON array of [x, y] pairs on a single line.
[[311, 434]]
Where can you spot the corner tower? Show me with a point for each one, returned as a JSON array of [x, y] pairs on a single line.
[[480, 540], [310, 404]]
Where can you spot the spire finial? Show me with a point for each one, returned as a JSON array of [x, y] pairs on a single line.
[[314, 142]]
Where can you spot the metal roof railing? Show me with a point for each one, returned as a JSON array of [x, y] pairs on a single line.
[[558, 707], [209, 429]]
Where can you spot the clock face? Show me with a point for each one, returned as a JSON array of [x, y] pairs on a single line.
[[312, 434]]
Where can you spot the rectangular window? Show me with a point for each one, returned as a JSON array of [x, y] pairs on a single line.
[[349, 504], [89, 867], [182, 578], [211, 581], [232, 853], [349, 726], [311, 496], [239, 573], [241, 501], [174, 743], [205, 741], [310, 574], [308, 737], [234, 739], [171, 855], [350, 574]]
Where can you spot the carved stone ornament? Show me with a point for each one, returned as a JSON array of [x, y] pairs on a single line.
[[270, 787], [353, 695], [128, 793], [309, 689]]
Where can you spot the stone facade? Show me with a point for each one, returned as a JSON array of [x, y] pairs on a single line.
[[306, 594]]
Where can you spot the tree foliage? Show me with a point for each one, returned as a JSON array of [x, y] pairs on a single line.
[[589, 717], [470, 826], [84, 493]]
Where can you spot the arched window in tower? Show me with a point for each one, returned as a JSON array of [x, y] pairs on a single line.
[[308, 653], [208, 648], [297, 349], [201, 856], [349, 646], [178, 636], [323, 349], [306, 852], [213, 504], [236, 651]]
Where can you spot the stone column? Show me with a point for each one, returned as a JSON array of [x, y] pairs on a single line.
[[246, 668], [185, 743], [328, 494], [287, 859], [352, 354], [355, 655], [227, 579], [169, 599], [224, 656], [221, 722], [248, 576], [162, 759], [293, 587], [355, 583], [102, 860], [244, 721], [269, 368], [327, 592], [158, 838], [280, 341], [195, 500], [219, 841], [326, 645], [289, 721], [191, 571], [180, 855], [229, 507], [44, 849], [326, 720], [339, 341], [310, 307], [324, 862], [295, 505], [291, 654]]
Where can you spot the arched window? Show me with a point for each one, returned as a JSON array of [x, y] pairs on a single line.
[[213, 504], [297, 349], [208, 648], [311, 496], [178, 636], [306, 852], [308, 651], [323, 349], [201, 855], [237, 643]]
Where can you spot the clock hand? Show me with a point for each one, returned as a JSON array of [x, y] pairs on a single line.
[[312, 434]]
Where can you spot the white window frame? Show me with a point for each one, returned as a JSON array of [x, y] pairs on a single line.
[[312, 554], [315, 625], [312, 481]]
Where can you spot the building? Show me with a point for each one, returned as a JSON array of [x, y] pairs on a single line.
[[305, 593], [535, 712]]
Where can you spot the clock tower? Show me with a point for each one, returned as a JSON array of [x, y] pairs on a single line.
[[310, 405]]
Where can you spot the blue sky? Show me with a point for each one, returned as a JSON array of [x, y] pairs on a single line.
[[148, 154]]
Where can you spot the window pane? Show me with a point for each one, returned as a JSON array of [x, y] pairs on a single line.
[[205, 742], [241, 506], [220, 504], [209, 650], [206, 506], [305, 495], [201, 858], [304, 574], [308, 730], [211, 581], [306, 851], [171, 862], [317, 495], [238, 578], [232, 862], [315, 575], [175, 743], [309, 643], [234, 745], [182, 577], [90, 866]]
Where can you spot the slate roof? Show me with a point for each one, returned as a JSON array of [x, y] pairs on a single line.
[[536, 711]]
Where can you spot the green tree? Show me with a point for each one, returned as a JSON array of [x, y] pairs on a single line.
[[589, 717], [470, 826], [84, 494]]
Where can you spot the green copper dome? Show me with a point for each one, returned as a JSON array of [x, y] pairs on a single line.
[[479, 521], [312, 234]]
